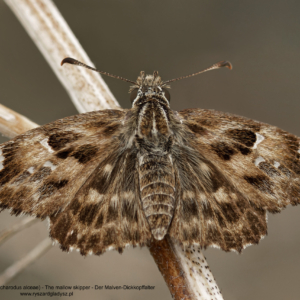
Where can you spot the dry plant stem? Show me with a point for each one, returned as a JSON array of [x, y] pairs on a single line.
[[24, 223], [23, 263], [197, 273], [88, 92], [185, 271], [12, 123], [54, 38]]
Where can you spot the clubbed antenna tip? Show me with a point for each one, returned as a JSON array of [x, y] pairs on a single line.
[[226, 64], [218, 65], [72, 61]]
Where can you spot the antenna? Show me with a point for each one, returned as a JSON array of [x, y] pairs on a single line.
[[218, 65], [72, 61]]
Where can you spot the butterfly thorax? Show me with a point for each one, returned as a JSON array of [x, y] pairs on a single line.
[[156, 173]]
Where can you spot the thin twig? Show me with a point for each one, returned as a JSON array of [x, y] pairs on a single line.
[[24, 262], [12, 123], [26, 222]]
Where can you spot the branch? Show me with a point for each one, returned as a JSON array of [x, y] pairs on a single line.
[[12, 123]]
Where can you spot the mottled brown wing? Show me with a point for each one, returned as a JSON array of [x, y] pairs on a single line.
[[76, 171], [231, 170], [106, 212]]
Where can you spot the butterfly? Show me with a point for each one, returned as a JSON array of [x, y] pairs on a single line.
[[112, 178]]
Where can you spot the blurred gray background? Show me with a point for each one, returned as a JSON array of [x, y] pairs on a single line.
[[262, 41]]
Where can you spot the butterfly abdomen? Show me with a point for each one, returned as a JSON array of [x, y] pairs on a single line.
[[156, 173], [157, 187]]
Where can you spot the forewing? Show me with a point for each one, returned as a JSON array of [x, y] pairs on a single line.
[[237, 169], [81, 172], [43, 169]]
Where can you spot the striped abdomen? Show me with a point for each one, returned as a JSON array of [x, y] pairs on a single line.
[[157, 186]]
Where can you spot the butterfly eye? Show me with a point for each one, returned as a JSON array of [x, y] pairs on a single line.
[[133, 94], [167, 94]]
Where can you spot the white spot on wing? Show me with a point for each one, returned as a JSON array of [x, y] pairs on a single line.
[[209, 222], [2, 158], [50, 165], [110, 248], [276, 164], [128, 195], [44, 143], [94, 196], [141, 159], [30, 170], [203, 198], [215, 246], [247, 245], [259, 160], [259, 139], [188, 195], [205, 169], [114, 200], [107, 168]]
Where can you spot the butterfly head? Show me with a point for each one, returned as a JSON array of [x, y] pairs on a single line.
[[149, 88]]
